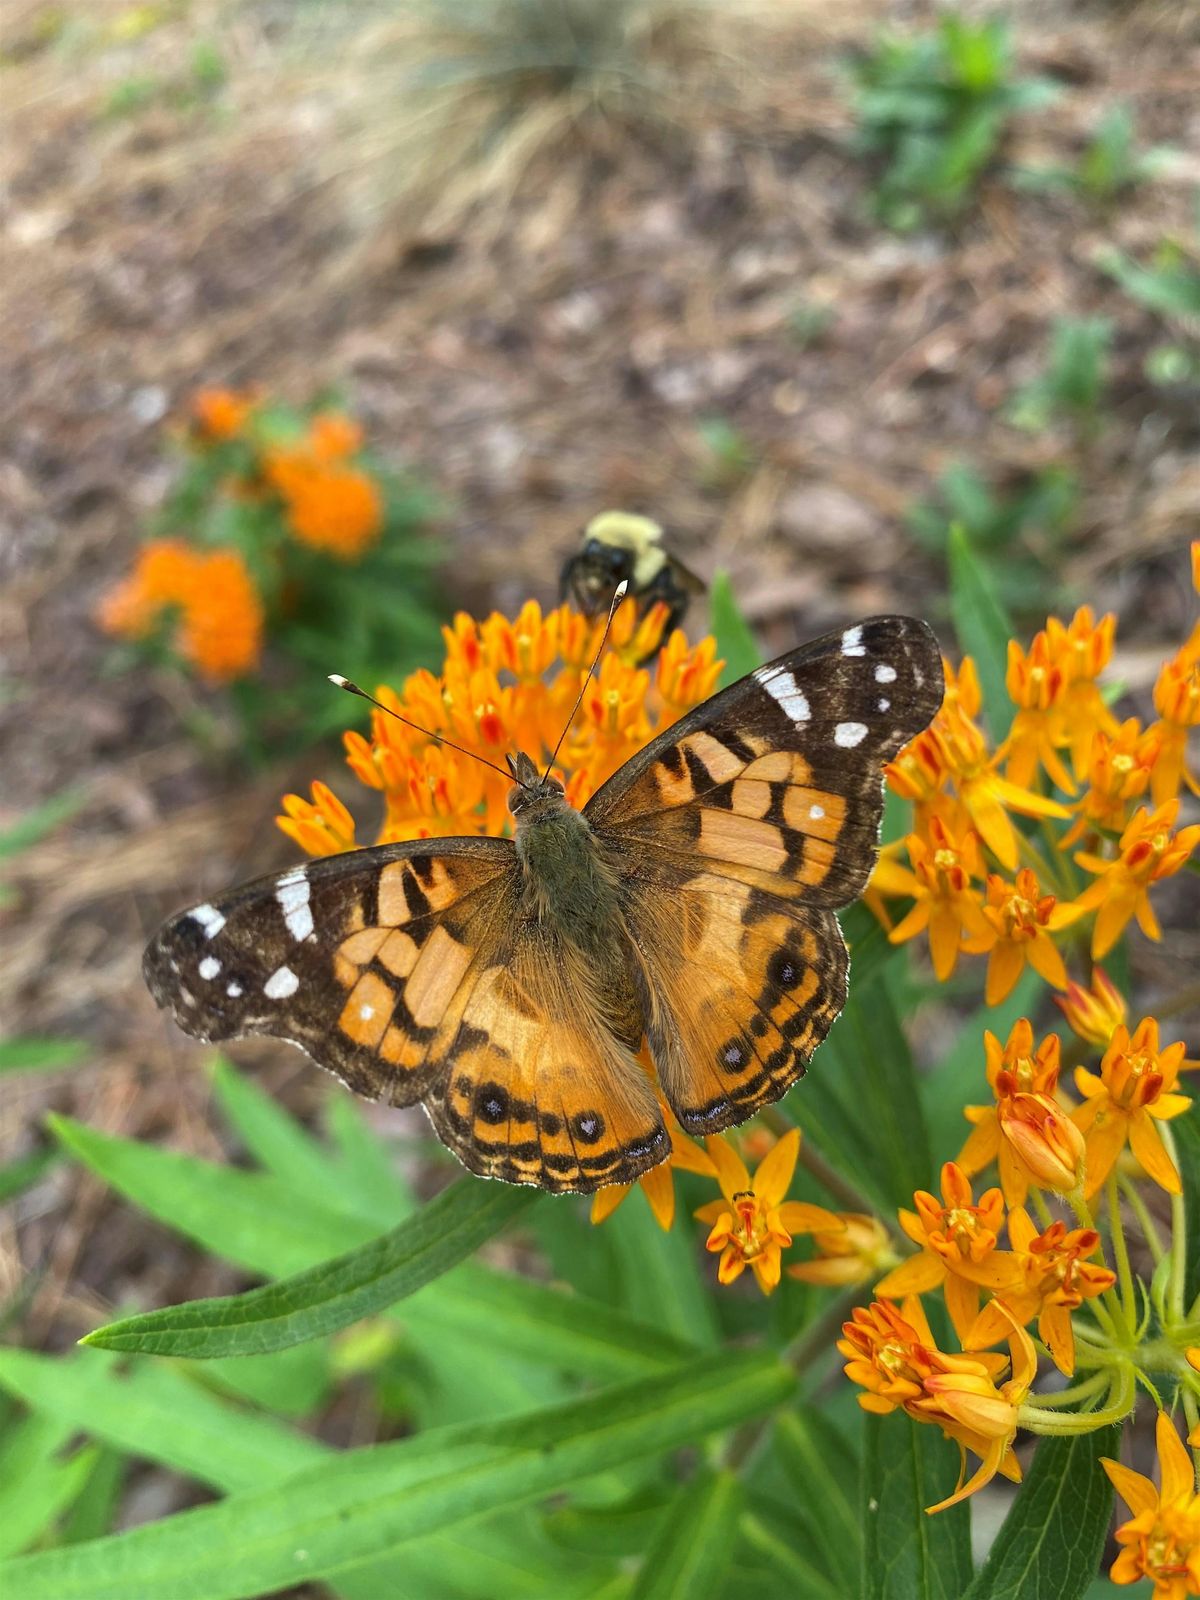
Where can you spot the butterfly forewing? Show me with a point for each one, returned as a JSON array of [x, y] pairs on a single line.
[[738, 832], [354, 957]]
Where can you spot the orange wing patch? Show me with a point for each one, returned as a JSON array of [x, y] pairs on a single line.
[[774, 981], [537, 1090]]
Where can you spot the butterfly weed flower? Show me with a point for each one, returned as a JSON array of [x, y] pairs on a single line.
[[1050, 1277], [857, 1251], [1134, 1091], [217, 610], [1023, 1131], [1161, 1541], [754, 1222], [946, 902], [1019, 920], [658, 1185], [219, 415], [1149, 850], [1083, 647], [1037, 686], [1177, 701], [958, 1247], [322, 826], [1094, 1012], [1120, 770]]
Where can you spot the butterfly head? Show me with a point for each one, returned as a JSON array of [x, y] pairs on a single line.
[[533, 794]]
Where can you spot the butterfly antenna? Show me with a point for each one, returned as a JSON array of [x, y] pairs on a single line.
[[353, 688], [621, 590]]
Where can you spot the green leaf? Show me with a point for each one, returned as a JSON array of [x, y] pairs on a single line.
[[41, 1055], [24, 1172], [36, 1485], [736, 644], [366, 1503], [817, 1462], [1186, 1131], [155, 1411], [906, 1554], [273, 1138], [334, 1293], [36, 824], [691, 1555], [1050, 1543], [982, 627], [95, 1508]]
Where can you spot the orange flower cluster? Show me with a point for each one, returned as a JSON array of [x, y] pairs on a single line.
[[1161, 1541], [220, 615], [965, 796], [509, 685], [331, 504]]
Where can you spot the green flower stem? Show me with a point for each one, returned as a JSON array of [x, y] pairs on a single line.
[[1078, 1391], [1191, 1410], [1121, 1250], [1176, 1282], [1042, 1209], [1145, 1221], [1122, 1395], [1108, 1309]]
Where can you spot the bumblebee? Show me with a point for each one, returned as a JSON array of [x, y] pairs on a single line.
[[619, 545]]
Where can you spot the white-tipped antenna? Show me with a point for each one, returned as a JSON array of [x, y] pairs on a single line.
[[352, 688], [619, 594]]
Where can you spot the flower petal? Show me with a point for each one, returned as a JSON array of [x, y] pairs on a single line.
[[659, 1188], [1138, 1493], [774, 1175], [1178, 1474], [1146, 1143], [731, 1169]]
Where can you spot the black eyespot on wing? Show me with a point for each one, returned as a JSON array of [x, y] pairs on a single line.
[[491, 1103], [587, 1126]]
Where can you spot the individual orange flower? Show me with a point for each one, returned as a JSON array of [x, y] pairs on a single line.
[[322, 826], [1020, 919], [1016, 1127], [686, 674], [958, 1242], [1083, 647], [856, 1252], [1095, 1013], [1177, 701], [1161, 1541], [658, 1184], [919, 774], [892, 1354], [636, 634], [338, 511], [946, 901], [1135, 1089], [754, 1223], [1120, 769], [221, 414], [962, 687], [333, 435], [222, 623], [1037, 686], [1148, 852], [987, 796], [1053, 1279]]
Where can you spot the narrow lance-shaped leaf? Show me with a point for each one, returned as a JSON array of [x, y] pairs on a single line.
[[691, 1555], [334, 1293], [1049, 1544], [906, 1554], [736, 644], [328, 1518], [982, 627]]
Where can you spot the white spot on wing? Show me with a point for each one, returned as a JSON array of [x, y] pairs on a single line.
[[209, 968], [292, 892], [852, 644], [233, 990], [282, 983], [885, 674], [848, 734], [366, 1012], [885, 705], [782, 687], [816, 812], [209, 918]]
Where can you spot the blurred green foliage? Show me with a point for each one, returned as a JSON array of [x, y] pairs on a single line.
[[934, 110], [1071, 387]]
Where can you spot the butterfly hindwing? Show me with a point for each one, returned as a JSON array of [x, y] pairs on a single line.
[[737, 833]]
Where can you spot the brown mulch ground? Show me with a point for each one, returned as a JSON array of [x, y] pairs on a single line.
[[537, 360]]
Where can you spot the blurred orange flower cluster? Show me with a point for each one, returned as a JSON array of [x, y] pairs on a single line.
[[219, 613], [980, 885], [259, 482], [505, 685]]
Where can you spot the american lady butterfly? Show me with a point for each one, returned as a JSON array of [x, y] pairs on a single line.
[[509, 983]]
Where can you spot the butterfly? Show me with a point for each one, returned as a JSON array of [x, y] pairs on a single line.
[[508, 983]]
